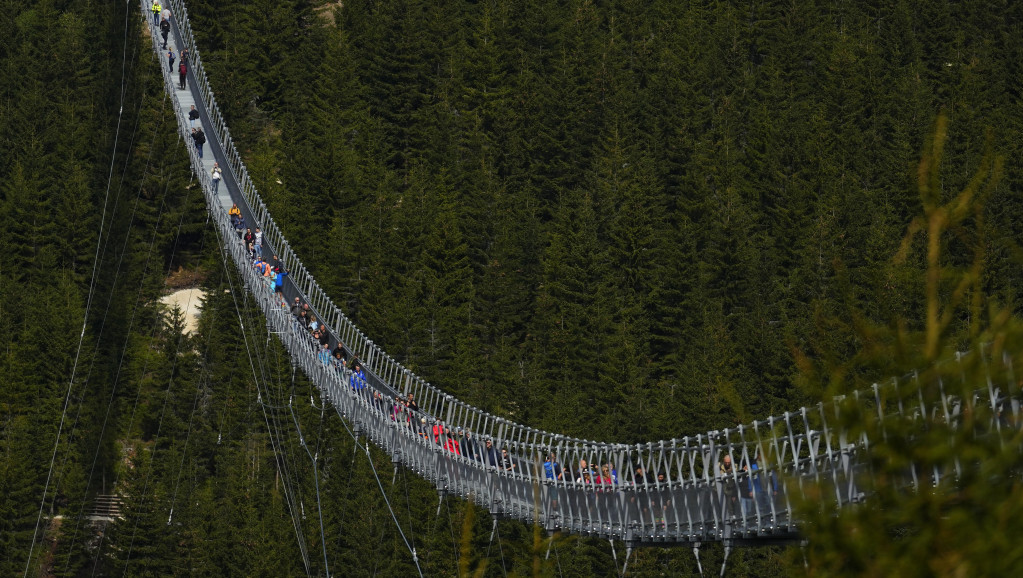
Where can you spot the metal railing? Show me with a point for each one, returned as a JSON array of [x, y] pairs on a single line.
[[664, 491]]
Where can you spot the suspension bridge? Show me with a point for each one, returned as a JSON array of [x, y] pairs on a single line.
[[669, 492]]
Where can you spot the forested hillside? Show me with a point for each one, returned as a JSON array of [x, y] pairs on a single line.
[[92, 216], [615, 220], [617, 217]]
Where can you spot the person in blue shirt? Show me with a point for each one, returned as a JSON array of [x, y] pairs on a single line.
[[358, 379], [324, 355], [551, 468], [279, 282], [760, 487]]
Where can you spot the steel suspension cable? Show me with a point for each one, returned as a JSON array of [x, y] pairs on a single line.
[[387, 501], [316, 479], [149, 157], [348, 487], [252, 367], [198, 390], [88, 302], [408, 507], [288, 467], [292, 488], [280, 452], [131, 323], [500, 548], [451, 530], [223, 415], [152, 333], [163, 413]]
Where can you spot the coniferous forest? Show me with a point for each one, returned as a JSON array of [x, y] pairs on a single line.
[[618, 220]]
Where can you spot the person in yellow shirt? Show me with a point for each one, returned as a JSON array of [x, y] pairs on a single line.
[[157, 9]]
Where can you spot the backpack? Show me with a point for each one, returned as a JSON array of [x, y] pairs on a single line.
[[182, 68], [552, 470]]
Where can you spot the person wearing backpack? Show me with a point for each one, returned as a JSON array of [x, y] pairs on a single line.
[[200, 139], [182, 72]]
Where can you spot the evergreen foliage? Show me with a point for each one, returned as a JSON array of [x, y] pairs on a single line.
[[620, 220], [649, 196], [957, 526]]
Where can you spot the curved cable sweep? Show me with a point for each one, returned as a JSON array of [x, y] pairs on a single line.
[[666, 491]]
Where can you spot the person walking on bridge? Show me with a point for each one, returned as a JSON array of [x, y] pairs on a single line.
[[193, 115], [164, 30], [551, 468], [729, 486], [262, 268], [324, 355], [182, 73], [170, 60], [215, 177], [200, 139], [157, 9], [358, 379], [279, 284], [762, 487]]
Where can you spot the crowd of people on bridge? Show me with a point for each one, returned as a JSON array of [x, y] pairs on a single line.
[[747, 489], [161, 22]]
